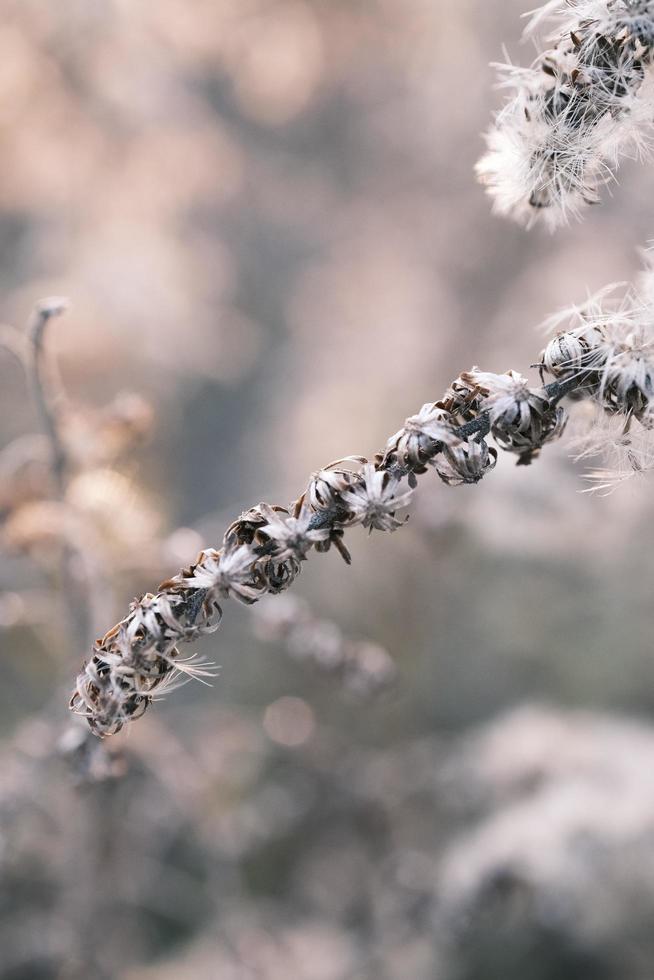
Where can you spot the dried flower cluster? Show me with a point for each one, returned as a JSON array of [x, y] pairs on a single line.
[[584, 103], [609, 340], [522, 420], [605, 354]]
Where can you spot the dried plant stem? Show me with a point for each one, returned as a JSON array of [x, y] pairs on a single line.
[[40, 374], [263, 550]]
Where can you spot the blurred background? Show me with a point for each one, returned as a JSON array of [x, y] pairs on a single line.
[[265, 216]]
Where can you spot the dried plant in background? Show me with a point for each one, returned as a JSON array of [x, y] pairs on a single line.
[[51, 513], [547, 826], [606, 355], [584, 104], [441, 840], [364, 667], [54, 512], [64, 501]]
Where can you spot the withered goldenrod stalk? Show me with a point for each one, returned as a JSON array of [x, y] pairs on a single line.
[[605, 354]]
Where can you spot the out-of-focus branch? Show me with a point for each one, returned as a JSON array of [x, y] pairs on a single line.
[[48, 397], [41, 381], [364, 668]]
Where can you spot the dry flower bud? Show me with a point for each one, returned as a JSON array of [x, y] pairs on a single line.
[[466, 463], [326, 486], [225, 574], [565, 355], [462, 399], [522, 419], [421, 436], [374, 500], [244, 529], [626, 377]]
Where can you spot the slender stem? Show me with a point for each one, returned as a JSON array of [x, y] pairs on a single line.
[[75, 589], [41, 387]]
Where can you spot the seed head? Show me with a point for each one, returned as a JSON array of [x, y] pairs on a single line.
[[291, 535], [374, 500], [522, 419], [584, 103], [421, 436], [565, 355], [466, 463]]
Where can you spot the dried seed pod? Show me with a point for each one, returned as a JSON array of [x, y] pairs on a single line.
[[326, 485], [291, 535], [522, 420], [245, 528], [226, 573], [622, 360], [462, 399], [565, 355], [526, 432], [466, 463], [274, 575], [139, 657], [637, 20], [420, 437], [621, 392], [374, 500]]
